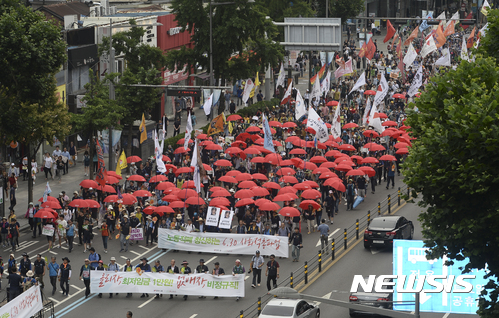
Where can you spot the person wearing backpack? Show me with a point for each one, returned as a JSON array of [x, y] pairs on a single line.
[[350, 194], [94, 258]]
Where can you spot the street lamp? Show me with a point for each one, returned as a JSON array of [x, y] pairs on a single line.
[[212, 81], [111, 85]]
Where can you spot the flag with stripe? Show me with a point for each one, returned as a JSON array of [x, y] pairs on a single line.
[[101, 175]]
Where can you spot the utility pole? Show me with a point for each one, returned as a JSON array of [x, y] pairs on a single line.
[[110, 165]]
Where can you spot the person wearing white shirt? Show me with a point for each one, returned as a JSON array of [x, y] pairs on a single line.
[[57, 152], [67, 213], [47, 165]]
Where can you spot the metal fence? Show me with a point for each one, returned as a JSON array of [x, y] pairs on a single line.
[[338, 246]]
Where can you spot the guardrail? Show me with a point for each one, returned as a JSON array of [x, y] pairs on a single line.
[[301, 276]]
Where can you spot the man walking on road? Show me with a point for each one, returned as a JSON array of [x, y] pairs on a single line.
[[391, 175], [324, 232], [256, 266], [239, 270], [39, 265], [296, 241], [272, 272], [85, 276], [53, 270], [125, 231], [113, 267], [173, 269], [65, 276]]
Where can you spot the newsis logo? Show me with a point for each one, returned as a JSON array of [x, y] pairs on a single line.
[[390, 283]]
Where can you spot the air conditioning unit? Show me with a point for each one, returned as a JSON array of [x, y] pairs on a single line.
[[113, 10]]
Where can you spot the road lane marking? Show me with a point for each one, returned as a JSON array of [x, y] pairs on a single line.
[[134, 252], [193, 316], [147, 302], [76, 287], [446, 315], [72, 307], [55, 301], [143, 247], [210, 260], [124, 257], [245, 278], [326, 296], [330, 236], [53, 252]]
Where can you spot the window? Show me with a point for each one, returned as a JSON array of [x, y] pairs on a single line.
[[278, 311]]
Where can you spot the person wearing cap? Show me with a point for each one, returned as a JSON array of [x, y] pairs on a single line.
[[272, 272], [24, 265], [94, 258], [128, 267], [29, 280], [53, 268], [217, 271], [186, 270], [39, 269], [30, 215], [113, 267], [65, 275], [144, 268], [135, 222], [350, 193], [324, 232], [61, 229], [100, 267], [256, 266], [158, 268], [296, 241], [330, 202], [239, 270], [200, 225], [125, 230], [104, 230], [70, 234], [173, 269], [149, 229], [85, 276], [87, 234]]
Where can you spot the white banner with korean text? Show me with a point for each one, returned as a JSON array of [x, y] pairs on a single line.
[[165, 283], [25, 305], [223, 243]]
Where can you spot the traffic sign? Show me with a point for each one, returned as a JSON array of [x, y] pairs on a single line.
[[409, 258]]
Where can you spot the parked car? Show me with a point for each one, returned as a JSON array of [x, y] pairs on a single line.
[[384, 229], [370, 299], [290, 308]]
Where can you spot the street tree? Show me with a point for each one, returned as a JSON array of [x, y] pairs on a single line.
[[144, 66], [344, 9], [489, 46], [242, 38], [451, 167], [32, 52], [98, 114]]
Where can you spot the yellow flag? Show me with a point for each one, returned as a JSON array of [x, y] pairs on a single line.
[[121, 163], [142, 129], [252, 93], [230, 127], [257, 80]]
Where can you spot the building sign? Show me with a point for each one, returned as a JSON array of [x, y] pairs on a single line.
[[183, 92], [60, 93], [174, 31], [80, 56], [170, 77], [80, 103]]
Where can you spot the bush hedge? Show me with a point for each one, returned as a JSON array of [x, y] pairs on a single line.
[[243, 112]]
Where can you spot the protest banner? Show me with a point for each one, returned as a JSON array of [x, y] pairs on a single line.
[[222, 243], [212, 216], [165, 283], [25, 305], [226, 219], [48, 230], [136, 234]]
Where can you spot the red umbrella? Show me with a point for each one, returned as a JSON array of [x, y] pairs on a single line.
[[401, 145], [114, 174], [260, 192], [170, 166], [87, 183], [356, 157], [380, 115], [78, 203], [177, 205], [370, 133], [331, 153], [142, 193], [219, 201], [195, 201], [273, 158], [286, 172], [202, 137], [318, 159], [191, 185], [227, 179], [271, 185], [332, 103], [269, 206], [328, 165], [106, 188], [244, 202], [51, 204], [112, 180], [283, 197], [302, 186], [252, 151], [335, 183], [49, 198], [258, 160], [307, 166], [166, 159], [244, 194], [213, 147], [372, 146], [347, 147], [259, 176], [350, 125], [247, 184], [287, 162], [92, 203], [321, 170], [289, 211], [163, 209], [158, 178], [170, 198], [133, 159], [368, 170], [369, 92], [223, 163], [220, 193], [128, 199], [243, 177], [137, 177], [298, 151], [387, 158], [239, 144], [327, 175], [311, 194], [287, 189], [289, 125], [274, 123], [183, 170], [173, 190], [187, 193], [164, 185], [370, 160], [182, 140], [234, 117], [181, 150], [389, 123], [261, 201], [253, 129], [343, 167], [398, 96], [305, 203], [213, 189], [288, 179], [46, 213], [233, 173], [356, 172], [402, 151]]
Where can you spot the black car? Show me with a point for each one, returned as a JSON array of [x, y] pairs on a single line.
[[384, 229]]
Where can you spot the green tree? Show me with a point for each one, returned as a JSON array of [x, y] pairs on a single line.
[[144, 64], [344, 9], [99, 112], [242, 38], [489, 46], [32, 52], [452, 167]]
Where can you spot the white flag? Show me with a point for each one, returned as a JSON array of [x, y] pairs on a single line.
[[158, 154], [267, 143], [366, 111], [360, 82], [317, 124], [207, 105], [416, 82], [326, 83], [194, 163], [382, 90], [347, 68], [484, 29], [316, 91], [464, 51], [336, 126], [281, 77], [300, 109], [247, 90], [287, 94], [188, 131], [485, 8], [445, 59], [428, 47], [410, 56], [162, 134], [375, 122]]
